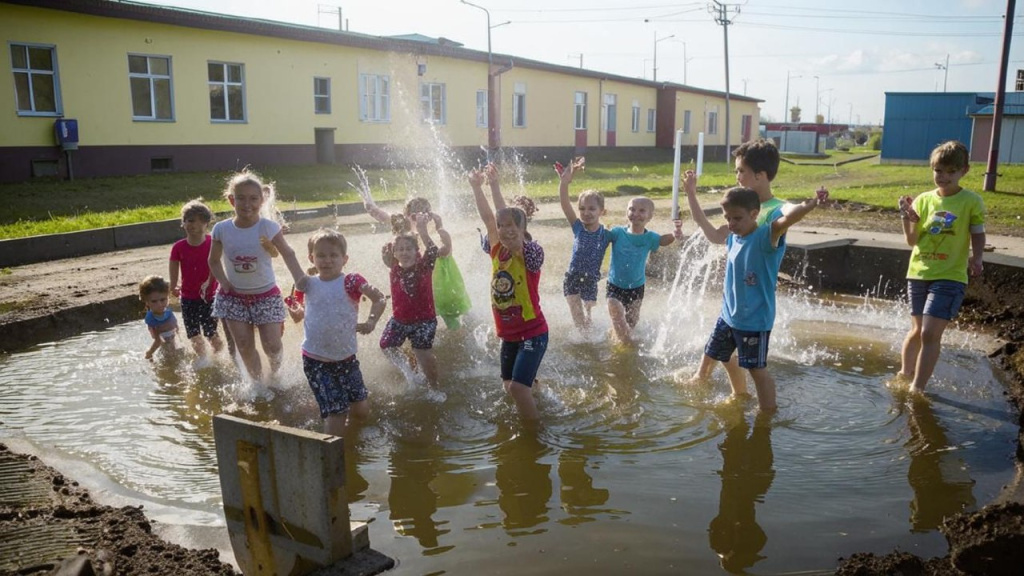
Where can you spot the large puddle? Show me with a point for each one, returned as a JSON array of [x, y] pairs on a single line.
[[632, 471]]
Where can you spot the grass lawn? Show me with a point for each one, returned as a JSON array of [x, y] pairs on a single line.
[[52, 206]]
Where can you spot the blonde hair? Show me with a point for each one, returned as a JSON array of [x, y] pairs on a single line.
[[243, 178], [645, 201], [329, 236], [153, 285], [950, 154]]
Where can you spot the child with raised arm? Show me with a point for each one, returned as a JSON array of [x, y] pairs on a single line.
[[627, 273], [190, 260], [515, 298], [330, 310], [249, 299], [590, 241], [754, 254], [450, 297], [941, 225], [412, 297], [154, 292]]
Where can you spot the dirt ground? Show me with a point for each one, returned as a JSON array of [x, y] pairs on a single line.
[[58, 299]]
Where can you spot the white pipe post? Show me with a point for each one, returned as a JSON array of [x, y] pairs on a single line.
[[675, 175], [700, 153]]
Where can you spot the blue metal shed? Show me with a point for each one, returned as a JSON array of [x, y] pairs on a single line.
[[916, 122]]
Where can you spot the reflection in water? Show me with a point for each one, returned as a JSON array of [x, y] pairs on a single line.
[[524, 484], [578, 495], [938, 476], [412, 501], [747, 474]]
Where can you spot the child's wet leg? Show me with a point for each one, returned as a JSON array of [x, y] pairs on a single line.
[[576, 310], [932, 329], [523, 397], [911, 349], [738, 377], [765, 385], [427, 363], [617, 313], [270, 339], [244, 337]]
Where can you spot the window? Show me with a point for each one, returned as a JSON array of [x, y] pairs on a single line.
[[635, 118], [321, 95], [432, 102], [712, 122], [481, 108], [651, 117], [227, 92], [686, 121], [581, 110], [161, 164], [36, 83], [150, 79], [519, 106], [374, 98]]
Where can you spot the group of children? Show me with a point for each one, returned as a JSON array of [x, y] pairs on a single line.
[[229, 275]]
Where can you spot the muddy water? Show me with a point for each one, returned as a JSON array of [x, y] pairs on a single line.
[[632, 470]]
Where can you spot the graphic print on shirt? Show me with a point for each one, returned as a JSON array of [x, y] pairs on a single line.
[[750, 279], [942, 223], [244, 264]]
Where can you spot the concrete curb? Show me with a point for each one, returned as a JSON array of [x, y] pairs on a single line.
[[34, 249]]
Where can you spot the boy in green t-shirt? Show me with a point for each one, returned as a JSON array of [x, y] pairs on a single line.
[[942, 226]]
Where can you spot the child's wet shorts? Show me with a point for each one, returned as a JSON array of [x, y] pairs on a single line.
[[420, 333], [936, 298], [627, 296], [751, 347], [198, 315], [336, 385], [258, 309], [581, 283], [521, 360]]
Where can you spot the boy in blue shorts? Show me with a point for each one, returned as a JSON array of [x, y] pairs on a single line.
[[751, 272], [942, 225], [627, 273]]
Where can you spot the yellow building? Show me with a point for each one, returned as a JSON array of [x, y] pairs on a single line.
[[157, 89]]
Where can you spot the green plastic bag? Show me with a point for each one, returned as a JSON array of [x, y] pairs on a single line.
[[450, 297]]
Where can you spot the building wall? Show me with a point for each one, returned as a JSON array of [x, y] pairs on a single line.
[[280, 123], [916, 122]]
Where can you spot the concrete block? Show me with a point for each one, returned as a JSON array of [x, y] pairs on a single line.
[[21, 251], [284, 496], [147, 234]]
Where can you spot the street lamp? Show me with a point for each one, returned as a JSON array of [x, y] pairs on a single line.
[[785, 115], [817, 96], [685, 59], [656, 40], [493, 130], [945, 69]]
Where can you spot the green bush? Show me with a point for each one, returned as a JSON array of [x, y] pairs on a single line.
[[875, 141]]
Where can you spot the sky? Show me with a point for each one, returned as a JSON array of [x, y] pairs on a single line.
[[831, 57]]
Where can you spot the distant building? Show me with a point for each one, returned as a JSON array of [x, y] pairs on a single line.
[[157, 89], [916, 122]]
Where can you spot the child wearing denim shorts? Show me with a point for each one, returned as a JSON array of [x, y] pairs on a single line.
[[942, 225]]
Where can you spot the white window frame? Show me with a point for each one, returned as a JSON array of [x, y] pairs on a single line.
[[31, 73], [226, 85], [374, 98], [712, 122], [481, 109], [321, 95], [433, 103], [152, 78], [580, 118], [686, 121], [519, 105], [635, 117], [652, 119]]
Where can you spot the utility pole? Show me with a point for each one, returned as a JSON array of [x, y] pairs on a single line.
[[656, 40], [997, 111], [945, 69], [785, 117], [721, 13]]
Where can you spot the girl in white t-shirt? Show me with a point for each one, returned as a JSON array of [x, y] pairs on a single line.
[[240, 260]]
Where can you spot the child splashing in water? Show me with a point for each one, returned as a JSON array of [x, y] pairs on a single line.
[[516, 262], [154, 292], [590, 241], [249, 299], [330, 309], [190, 260], [412, 298], [450, 297]]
